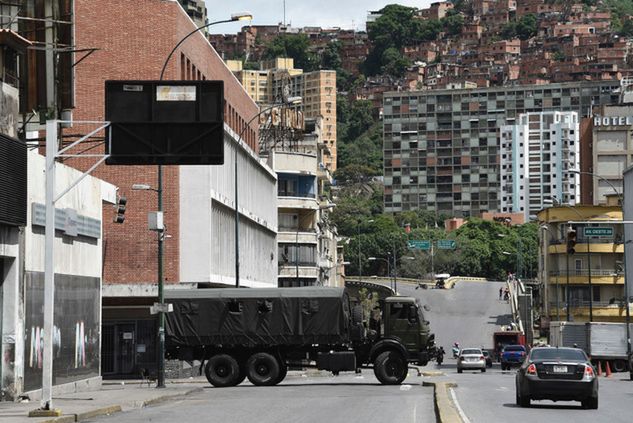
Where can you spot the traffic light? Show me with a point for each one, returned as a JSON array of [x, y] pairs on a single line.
[[571, 240], [120, 210]]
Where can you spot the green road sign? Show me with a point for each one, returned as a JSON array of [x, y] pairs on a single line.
[[597, 232], [446, 244], [419, 245]]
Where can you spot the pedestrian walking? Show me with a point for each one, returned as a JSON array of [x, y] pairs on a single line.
[[500, 292]]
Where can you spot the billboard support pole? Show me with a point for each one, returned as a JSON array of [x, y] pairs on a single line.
[[52, 153]]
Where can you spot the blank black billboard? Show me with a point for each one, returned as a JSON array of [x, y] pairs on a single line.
[[165, 122], [13, 169]]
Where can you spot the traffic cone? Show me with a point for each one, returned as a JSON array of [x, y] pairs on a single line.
[[607, 370], [599, 368]]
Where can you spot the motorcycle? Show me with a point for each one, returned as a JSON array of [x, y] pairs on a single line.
[[440, 356], [455, 352]]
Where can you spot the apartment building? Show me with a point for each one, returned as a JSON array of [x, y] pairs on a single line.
[[594, 274], [441, 147], [306, 244], [537, 154], [607, 151], [278, 78]]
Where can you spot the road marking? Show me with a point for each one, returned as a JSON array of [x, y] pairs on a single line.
[[462, 415], [405, 387], [502, 388]]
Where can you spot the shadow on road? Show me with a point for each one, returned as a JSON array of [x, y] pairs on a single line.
[[546, 406], [307, 385], [500, 320]]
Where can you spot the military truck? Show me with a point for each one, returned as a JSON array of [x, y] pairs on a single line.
[[259, 333]]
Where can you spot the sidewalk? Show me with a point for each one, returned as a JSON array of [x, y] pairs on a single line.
[[114, 397]]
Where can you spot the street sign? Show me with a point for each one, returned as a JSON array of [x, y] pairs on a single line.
[[161, 308], [446, 244], [419, 245], [598, 232]]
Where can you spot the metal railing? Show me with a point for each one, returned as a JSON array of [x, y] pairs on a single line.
[[585, 272], [575, 303]]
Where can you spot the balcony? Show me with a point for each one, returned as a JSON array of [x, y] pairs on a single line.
[[603, 311], [302, 236], [294, 162], [581, 277], [304, 270]]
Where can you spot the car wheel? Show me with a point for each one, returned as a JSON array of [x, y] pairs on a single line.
[[262, 369], [590, 403], [459, 370], [390, 368], [517, 397], [222, 370], [524, 401], [483, 370]]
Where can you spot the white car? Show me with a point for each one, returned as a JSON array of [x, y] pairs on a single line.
[[471, 359]]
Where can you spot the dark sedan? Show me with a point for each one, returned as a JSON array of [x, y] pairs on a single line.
[[558, 374]]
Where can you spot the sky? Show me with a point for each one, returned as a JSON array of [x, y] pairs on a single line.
[[346, 14]]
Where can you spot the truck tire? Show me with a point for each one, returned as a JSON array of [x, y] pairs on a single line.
[[283, 371], [390, 368], [262, 369], [357, 314], [222, 370], [618, 366]]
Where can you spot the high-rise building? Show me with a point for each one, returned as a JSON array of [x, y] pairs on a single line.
[[537, 154], [607, 151], [278, 78], [197, 11], [441, 147]]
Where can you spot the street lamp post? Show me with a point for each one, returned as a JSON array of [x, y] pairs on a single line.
[[160, 380]]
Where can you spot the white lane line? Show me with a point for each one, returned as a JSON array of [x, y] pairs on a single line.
[[462, 415]]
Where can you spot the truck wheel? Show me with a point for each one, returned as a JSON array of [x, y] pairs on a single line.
[[222, 370], [390, 368], [262, 369], [619, 366], [283, 371]]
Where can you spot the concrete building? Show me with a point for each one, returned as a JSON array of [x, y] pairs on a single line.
[[317, 90], [78, 280], [537, 153], [197, 11], [598, 260], [441, 148], [307, 244], [608, 151], [199, 201]]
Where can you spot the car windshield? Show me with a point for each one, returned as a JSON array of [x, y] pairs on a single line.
[[558, 354], [486, 353], [514, 348], [471, 352]]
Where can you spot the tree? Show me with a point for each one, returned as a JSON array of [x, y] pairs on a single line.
[[295, 46], [453, 24], [331, 56]]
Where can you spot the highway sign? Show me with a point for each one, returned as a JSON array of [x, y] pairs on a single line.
[[446, 244], [419, 245], [597, 232]]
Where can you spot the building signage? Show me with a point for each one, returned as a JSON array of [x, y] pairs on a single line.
[[597, 232], [68, 222], [612, 120]]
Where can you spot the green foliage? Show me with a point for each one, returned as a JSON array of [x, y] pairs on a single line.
[[453, 24], [331, 56], [524, 29], [295, 46], [627, 28]]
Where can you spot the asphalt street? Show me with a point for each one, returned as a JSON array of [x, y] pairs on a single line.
[[489, 397], [468, 313], [315, 399]]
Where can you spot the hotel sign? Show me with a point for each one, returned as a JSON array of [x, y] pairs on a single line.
[[612, 120]]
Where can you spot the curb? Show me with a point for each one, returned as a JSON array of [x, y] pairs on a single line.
[[165, 398], [445, 411], [97, 412]]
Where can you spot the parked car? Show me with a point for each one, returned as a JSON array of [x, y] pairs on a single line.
[[488, 358], [558, 374], [512, 355], [471, 359], [631, 366]]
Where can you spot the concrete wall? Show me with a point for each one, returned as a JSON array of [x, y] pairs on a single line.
[[207, 219], [76, 259]]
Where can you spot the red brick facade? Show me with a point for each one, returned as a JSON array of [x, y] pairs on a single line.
[[133, 41]]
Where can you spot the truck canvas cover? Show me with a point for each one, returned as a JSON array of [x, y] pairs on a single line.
[[262, 316]]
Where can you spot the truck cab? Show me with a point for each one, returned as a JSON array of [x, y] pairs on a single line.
[[404, 322]]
